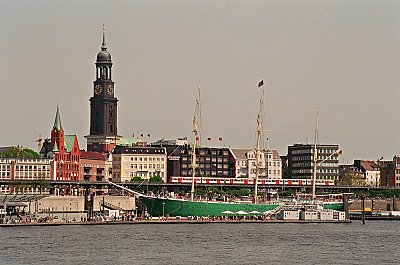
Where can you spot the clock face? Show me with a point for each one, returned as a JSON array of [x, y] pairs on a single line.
[[110, 89], [97, 89]]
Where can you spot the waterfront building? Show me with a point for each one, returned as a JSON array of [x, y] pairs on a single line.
[[241, 162], [103, 106], [143, 162], [94, 166], [270, 164], [390, 172], [37, 171], [173, 148], [210, 162], [300, 161], [64, 150], [351, 175], [370, 171]]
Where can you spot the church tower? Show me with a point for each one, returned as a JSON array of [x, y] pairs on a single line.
[[57, 134], [103, 106]]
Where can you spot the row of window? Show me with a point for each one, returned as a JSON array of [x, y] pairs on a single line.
[[145, 166], [204, 173], [5, 167], [158, 159], [208, 152], [275, 172], [302, 158], [208, 166], [206, 159], [146, 175], [302, 151], [327, 170]]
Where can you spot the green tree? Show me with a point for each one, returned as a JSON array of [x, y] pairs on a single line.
[[240, 193], [156, 179], [352, 179], [19, 152], [136, 179]]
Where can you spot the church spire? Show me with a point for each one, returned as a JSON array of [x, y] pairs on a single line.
[[57, 121], [103, 45]]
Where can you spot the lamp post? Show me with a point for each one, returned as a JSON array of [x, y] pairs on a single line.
[[163, 213]]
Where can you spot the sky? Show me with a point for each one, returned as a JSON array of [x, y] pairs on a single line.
[[341, 58]]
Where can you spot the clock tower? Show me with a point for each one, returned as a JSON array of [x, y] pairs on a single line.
[[103, 106]]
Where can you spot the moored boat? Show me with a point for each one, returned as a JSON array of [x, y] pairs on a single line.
[[158, 206]]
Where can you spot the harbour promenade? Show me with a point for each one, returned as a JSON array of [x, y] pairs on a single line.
[[167, 221]]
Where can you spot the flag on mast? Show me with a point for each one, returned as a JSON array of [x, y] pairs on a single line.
[[261, 83]]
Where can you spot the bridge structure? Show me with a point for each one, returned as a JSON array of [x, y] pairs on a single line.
[[179, 186]]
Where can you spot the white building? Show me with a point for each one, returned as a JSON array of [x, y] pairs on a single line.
[[32, 170], [371, 171], [241, 162], [143, 162], [270, 164]]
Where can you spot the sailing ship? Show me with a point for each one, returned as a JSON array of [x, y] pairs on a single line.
[[159, 206], [163, 206]]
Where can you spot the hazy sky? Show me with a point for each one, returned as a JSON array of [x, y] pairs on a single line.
[[339, 57]]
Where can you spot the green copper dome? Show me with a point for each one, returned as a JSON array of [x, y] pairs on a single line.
[[103, 55]]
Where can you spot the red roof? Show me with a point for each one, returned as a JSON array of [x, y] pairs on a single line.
[[92, 155]]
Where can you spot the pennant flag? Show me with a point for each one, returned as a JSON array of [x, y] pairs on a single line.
[[148, 135], [133, 135], [197, 138], [261, 83], [209, 138], [220, 138], [340, 152], [141, 135]]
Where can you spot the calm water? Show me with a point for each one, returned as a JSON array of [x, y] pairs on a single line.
[[377, 242]]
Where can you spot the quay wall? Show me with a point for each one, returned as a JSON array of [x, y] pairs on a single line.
[[77, 203], [379, 204]]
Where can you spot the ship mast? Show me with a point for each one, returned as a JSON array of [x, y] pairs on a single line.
[[258, 139], [196, 122], [314, 180]]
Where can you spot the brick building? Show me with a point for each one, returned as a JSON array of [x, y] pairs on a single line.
[[390, 172], [64, 150]]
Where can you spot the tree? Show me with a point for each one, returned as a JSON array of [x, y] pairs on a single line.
[[352, 179], [19, 152], [156, 179], [136, 179]]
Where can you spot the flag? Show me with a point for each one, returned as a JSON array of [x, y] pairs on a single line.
[[209, 139], [261, 83], [148, 135], [197, 138], [220, 138], [141, 135], [340, 152], [381, 158]]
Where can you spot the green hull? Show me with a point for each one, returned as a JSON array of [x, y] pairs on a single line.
[[338, 206], [175, 207]]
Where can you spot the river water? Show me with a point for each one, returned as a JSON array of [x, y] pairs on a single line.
[[376, 242]]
